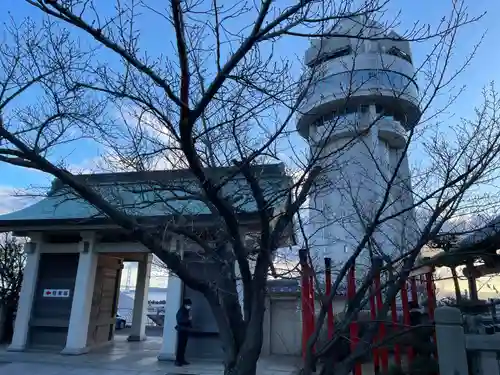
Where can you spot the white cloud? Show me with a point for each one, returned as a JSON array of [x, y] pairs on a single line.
[[14, 199], [87, 166], [156, 137], [133, 124]]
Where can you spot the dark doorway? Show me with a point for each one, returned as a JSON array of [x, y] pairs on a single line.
[[53, 299]]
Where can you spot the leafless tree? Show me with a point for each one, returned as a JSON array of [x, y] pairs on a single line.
[[12, 260], [215, 90]]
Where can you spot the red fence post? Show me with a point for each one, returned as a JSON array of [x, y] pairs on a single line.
[[312, 299], [373, 316], [353, 327], [406, 317], [382, 330], [395, 328], [304, 298], [431, 301], [431, 295], [414, 294], [328, 291]]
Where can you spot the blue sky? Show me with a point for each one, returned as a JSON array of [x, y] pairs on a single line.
[[482, 70]]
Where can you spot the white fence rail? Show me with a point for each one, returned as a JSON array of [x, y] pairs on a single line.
[[465, 348]]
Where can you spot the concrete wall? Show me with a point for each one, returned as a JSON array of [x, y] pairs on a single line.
[[283, 324], [204, 341]]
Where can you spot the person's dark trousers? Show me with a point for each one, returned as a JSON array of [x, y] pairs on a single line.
[[182, 339]]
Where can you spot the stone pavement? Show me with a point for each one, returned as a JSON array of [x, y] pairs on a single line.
[[124, 358]]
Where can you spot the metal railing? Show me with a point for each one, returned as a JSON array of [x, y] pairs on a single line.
[[127, 314]]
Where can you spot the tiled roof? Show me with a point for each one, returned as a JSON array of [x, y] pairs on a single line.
[[481, 243], [151, 194], [291, 286]]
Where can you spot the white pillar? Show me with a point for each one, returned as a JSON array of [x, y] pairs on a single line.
[[28, 289], [450, 338], [172, 305], [139, 316], [76, 342]]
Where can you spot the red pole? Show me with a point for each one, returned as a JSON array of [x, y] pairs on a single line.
[[384, 354], [304, 297], [328, 291], [373, 316], [431, 295], [312, 299], [353, 327], [423, 279], [422, 282], [431, 300], [395, 328], [428, 283], [406, 318], [414, 294]]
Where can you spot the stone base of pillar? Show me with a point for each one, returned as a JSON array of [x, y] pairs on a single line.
[[75, 351], [166, 357], [133, 338], [169, 344], [16, 348]]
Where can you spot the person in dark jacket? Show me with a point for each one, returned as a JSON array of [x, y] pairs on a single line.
[[184, 325], [422, 340], [415, 314]]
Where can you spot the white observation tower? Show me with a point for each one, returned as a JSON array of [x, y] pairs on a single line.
[[359, 107]]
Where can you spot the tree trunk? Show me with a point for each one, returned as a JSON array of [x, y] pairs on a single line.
[[248, 354], [8, 323], [456, 284], [247, 357]]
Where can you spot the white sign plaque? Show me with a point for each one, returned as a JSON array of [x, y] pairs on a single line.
[[56, 293]]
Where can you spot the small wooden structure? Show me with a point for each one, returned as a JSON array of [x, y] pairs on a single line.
[[477, 251], [75, 254]]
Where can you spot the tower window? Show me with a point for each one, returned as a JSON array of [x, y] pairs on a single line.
[[401, 117], [394, 51], [344, 51], [395, 114], [364, 108]]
